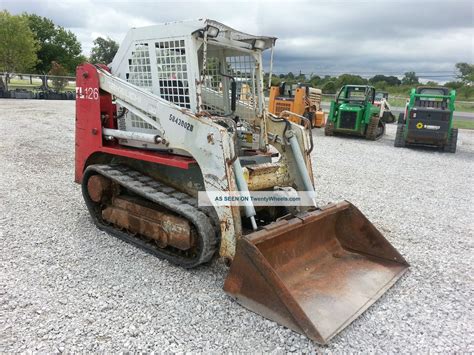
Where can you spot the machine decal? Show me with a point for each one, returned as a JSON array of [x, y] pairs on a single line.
[[87, 93], [181, 123]]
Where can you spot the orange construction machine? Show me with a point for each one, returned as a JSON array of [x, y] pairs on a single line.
[[299, 102]]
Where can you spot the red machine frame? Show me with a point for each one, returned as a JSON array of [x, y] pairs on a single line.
[[93, 104]]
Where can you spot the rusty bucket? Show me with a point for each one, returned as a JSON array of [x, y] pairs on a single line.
[[314, 273]]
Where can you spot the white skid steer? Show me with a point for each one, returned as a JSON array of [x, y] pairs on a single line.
[[179, 111]]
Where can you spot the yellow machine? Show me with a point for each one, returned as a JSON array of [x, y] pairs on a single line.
[[297, 103]]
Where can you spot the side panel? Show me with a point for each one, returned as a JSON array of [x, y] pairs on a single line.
[[88, 125], [274, 91], [350, 119], [94, 105], [299, 104], [428, 126]]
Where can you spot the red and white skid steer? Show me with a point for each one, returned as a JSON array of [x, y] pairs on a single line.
[[180, 110]]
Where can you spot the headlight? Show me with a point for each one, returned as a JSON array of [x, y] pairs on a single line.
[[212, 31], [258, 44]]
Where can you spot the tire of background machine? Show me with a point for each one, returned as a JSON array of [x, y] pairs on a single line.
[[452, 141], [392, 117], [401, 118], [311, 117], [399, 140], [328, 129], [381, 122]]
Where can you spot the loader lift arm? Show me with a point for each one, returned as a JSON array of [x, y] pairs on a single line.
[[201, 137]]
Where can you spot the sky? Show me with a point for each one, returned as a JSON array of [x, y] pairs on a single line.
[[322, 37]]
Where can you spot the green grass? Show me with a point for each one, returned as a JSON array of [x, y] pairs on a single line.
[[22, 85], [464, 124], [464, 107], [25, 84]]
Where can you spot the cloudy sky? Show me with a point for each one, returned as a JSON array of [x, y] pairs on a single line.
[[321, 37]]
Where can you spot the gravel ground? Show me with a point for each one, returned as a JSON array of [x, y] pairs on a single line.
[[65, 286]]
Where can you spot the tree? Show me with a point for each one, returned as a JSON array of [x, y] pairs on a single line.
[[329, 88], [301, 77], [17, 44], [465, 72], [275, 81], [390, 80], [104, 50], [326, 79], [349, 79], [381, 85], [454, 84], [56, 44], [58, 72], [315, 80], [410, 78]]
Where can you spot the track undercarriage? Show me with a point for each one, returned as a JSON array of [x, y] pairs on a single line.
[[150, 214]]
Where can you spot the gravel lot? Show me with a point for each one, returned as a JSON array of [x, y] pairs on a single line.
[[65, 286]]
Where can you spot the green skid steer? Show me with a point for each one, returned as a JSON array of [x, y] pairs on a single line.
[[428, 119], [353, 113]]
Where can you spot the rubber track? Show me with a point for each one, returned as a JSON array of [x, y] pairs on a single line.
[[452, 141], [204, 219], [371, 133], [399, 137], [329, 129]]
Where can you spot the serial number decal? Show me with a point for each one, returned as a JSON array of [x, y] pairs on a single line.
[[181, 123], [87, 93]]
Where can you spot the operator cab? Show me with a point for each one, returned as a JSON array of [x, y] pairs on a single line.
[[431, 100], [200, 65], [379, 95], [356, 94], [288, 92]]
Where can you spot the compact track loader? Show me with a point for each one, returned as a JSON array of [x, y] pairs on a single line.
[[428, 119], [298, 104], [353, 113], [165, 122], [381, 98]]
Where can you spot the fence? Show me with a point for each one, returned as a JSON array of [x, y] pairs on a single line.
[[15, 85], [36, 86]]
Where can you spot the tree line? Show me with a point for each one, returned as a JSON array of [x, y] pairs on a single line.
[[331, 84], [34, 44]]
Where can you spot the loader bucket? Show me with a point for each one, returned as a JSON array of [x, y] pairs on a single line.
[[314, 273]]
